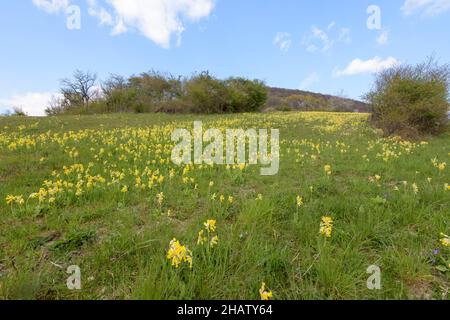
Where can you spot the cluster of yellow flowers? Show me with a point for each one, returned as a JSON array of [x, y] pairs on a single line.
[[160, 199], [445, 240], [212, 238], [265, 293], [327, 169], [222, 198], [179, 254], [10, 199], [440, 166], [299, 201], [326, 226]]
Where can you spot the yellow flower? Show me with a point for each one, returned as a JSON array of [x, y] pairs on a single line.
[[264, 293], [214, 241], [447, 187], [299, 201], [222, 198], [10, 199], [230, 199], [201, 237], [160, 198], [124, 189], [210, 225], [211, 183], [415, 188], [260, 197], [327, 169], [19, 200], [326, 226], [179, 254], [445, 240]]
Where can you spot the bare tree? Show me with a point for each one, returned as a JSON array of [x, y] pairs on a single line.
[[55, 106], [114, 82], [79, 89]]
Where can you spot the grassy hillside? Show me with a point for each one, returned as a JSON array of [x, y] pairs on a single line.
[[100, 192], [280, 98]]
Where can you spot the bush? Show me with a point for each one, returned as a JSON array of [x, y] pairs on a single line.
[[18, 111], [245, 95], [411, 100], [157, 92], [206, 94]]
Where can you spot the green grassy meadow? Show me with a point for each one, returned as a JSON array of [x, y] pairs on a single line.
[[101, 192]]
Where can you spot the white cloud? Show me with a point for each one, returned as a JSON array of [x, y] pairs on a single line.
[[427, 7], [52, 6], [358, 66], [310, 80], [158, 20], [344, 35], [95, 10], [283, 41], [33, 103], [383, 37], [318, 39], [331, 25]]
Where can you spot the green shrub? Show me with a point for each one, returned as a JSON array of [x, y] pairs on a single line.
[[246, 95], [206, 94], [411, 100]]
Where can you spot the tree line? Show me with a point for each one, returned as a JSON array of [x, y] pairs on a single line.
[[157, 92]]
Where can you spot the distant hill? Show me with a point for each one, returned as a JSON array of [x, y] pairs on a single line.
[[290, 99]]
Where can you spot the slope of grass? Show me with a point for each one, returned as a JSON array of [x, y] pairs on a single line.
[[90, 187]]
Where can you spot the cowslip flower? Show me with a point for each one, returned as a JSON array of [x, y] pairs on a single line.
[[265, 293], [124, 189], [327, 169], [445, 240], [201, 237], [10, 199], [326, 226], [415, 188], [214, 241], [179, 254], [299, 201], [160, 198], [19, 200], [210, 225]]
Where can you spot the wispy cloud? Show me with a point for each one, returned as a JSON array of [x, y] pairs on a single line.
[[320, 40], [52, 6], [358, 66], [383, 37], [309, 81], [283, 41], [344, 35], [426, 7]]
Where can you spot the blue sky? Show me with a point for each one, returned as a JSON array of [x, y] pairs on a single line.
[[321, 45]]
